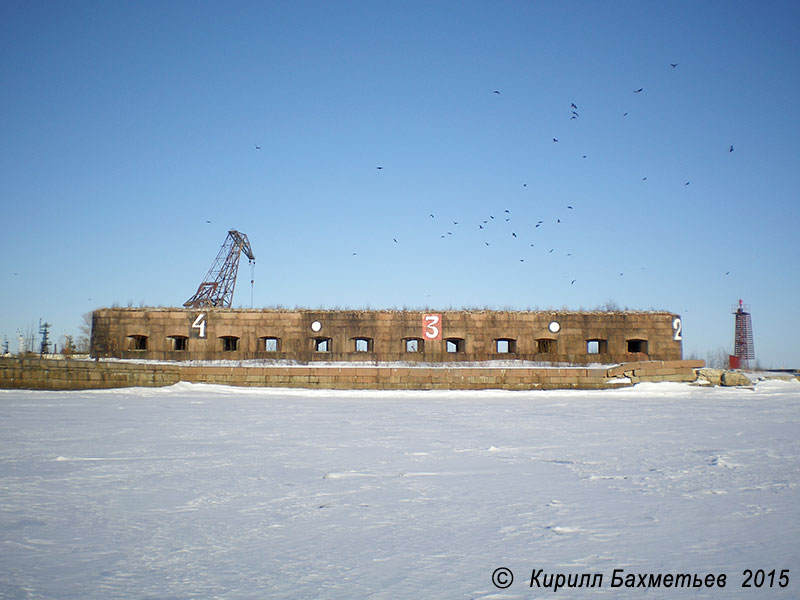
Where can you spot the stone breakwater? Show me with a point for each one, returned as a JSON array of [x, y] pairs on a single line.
[[55, 374]]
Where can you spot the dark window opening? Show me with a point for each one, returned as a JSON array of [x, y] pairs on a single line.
[[637, 346], [505, 346], [362, 344], [229, 343], [413, 345], [271, 344], [545, 346], [455, 345], [322, 344], [137, 342], [596, 346], [179, 342]]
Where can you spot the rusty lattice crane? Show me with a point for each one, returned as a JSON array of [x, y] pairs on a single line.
[[217, 287]]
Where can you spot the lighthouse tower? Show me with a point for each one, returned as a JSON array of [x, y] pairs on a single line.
[[743, 348]]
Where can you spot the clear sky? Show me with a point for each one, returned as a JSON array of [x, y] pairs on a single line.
[[126, 126]]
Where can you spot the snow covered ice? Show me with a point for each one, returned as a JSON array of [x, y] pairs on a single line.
[[197, 491]]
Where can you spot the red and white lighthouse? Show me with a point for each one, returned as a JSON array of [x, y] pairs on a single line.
[[743, 348]]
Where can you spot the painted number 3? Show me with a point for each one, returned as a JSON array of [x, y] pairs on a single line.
[[200, 324], [432, 327], [676, 327]]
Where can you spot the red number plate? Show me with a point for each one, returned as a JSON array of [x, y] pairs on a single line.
[[431, 327]]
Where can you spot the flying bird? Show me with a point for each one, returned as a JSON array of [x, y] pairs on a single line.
[[624, 114], [513, 234], [379, 168], [638, 91], [431, 216], [644, 178], [731, 148], [569, 207], [395, 240], [208, 221], [258, 147], [550, 251], [687, 183], [673, 65], [573, 282], [554, 140], [573, 107], [497, 92]]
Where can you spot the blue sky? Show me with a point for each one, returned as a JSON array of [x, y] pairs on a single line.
[[126, 126]]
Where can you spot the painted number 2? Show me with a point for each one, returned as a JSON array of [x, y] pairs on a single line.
[[200, 324], [676, 327], [432, 327]]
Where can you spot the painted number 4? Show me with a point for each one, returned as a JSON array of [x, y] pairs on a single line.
[[432, 327], [200, 325], [676, 327]]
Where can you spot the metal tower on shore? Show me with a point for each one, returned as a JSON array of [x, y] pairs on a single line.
[[743, 348], [44, 331]]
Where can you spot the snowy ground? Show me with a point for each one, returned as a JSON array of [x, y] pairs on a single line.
[[208, 492]]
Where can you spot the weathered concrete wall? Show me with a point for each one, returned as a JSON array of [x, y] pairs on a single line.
[[34, 373], [54, 374], [159, 334]]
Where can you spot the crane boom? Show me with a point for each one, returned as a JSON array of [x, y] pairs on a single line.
[[217, 287]]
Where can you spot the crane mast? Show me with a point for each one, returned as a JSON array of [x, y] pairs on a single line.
[[217, 287]]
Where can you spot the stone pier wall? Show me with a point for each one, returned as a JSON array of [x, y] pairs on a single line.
[[35, 373]]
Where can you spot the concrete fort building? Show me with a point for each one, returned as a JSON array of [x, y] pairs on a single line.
[[361, 349], [208, 329], [306, 336]]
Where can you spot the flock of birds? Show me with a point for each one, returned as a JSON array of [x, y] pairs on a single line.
[[490, 221]]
